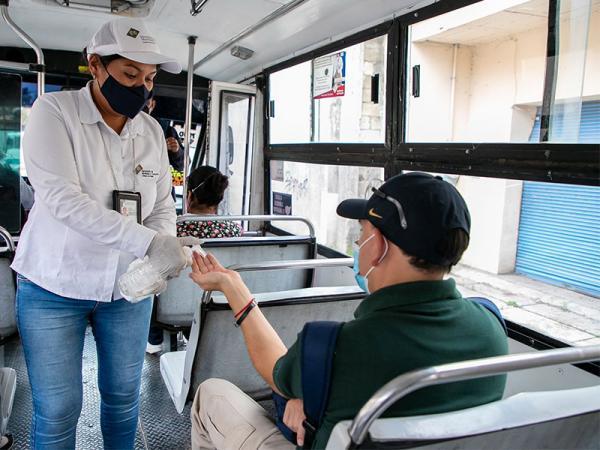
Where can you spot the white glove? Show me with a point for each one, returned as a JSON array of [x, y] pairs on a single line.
[[166, 254]]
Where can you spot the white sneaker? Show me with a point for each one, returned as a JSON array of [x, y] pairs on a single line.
[[151, 349]]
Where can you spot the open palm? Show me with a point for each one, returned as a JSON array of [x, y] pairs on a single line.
[[209, 274]]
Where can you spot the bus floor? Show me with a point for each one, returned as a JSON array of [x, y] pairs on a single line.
[[162, 427]]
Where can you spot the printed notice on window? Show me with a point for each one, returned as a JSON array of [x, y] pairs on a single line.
[[282, 204], [276, 170], [329, 76]]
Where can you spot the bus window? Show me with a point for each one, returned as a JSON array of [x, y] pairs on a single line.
[[338, 97], [235, 148], [290, 121], [314, 191], [480, 72], [476, 74]]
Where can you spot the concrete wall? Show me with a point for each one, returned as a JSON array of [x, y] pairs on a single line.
[[494, 222], [317, 190], [430, 117]]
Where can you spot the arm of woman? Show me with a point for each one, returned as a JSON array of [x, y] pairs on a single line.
[[52, 170]]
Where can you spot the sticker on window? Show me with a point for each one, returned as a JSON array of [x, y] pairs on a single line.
[[282, 204], [329, 76]]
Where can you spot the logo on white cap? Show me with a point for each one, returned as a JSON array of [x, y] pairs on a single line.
[[130, 38]]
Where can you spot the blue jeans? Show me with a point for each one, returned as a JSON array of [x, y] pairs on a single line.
[[52, 330]]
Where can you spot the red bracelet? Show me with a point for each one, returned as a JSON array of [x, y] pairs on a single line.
[[241, 311]]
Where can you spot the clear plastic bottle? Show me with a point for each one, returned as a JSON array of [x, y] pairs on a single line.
[[142, 279]]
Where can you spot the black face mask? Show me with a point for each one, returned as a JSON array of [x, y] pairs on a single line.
[[125, 100]]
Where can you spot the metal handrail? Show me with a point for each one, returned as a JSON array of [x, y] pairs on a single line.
[[41, 76], [263, 217], [11, 65], [8, 238], [188, 116], [285, 264], [293, 264], [279, 12], [409, 382]]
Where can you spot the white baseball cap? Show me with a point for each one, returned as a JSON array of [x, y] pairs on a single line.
[[130, 39]]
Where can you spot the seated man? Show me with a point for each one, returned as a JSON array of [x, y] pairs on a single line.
[[413, 230]]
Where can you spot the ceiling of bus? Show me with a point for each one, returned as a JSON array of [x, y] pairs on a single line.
[[311, 24]]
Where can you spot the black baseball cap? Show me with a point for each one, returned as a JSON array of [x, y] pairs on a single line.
[[414, 211]]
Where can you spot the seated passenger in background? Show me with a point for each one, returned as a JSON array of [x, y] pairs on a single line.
[[413, 230], [206, 188]]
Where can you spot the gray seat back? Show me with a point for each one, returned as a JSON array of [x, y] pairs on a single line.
[[221, 351], [8, 386], [568, 418], [569, 408], [177, 304], [8, 322]]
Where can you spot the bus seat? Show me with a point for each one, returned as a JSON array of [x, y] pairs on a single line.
[[176, 305], [216, 348], [8, 322], [8, 385], [568, 418]]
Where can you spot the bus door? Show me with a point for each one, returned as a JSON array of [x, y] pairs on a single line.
[[10, 159], [230, 141]]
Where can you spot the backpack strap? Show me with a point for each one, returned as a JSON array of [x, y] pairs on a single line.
[[318, 347], [491, 307]]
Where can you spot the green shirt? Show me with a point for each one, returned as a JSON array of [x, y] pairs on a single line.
[[398, 329]]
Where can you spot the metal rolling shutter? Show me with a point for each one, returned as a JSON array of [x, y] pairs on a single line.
[[559, 235], [589, 128], [559, 230]]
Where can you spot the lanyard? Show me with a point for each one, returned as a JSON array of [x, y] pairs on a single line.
[[112, 169]]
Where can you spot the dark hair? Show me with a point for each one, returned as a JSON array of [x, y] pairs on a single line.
[[106, 60], [451, 248], [207, 186]]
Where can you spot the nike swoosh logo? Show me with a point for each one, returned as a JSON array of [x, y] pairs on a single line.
[[374, 214]]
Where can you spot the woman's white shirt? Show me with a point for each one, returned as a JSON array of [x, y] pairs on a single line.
[[73, 243]]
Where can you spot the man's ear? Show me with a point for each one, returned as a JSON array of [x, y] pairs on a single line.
[[378, 245]]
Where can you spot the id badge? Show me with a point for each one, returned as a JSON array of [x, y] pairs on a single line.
[[128, 204]]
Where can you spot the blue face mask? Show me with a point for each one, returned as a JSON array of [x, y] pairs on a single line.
[[362, 279], [125, 100]]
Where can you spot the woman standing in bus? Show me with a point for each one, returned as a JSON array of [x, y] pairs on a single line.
[[91, 154]]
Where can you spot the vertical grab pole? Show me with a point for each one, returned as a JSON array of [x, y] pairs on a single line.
[[188, 119], [40, 68]]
